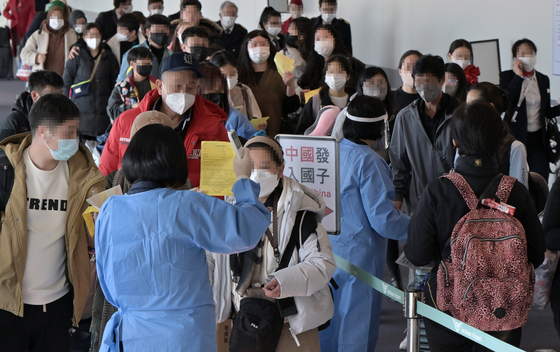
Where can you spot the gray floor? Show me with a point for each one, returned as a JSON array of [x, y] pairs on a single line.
[[538, 333]]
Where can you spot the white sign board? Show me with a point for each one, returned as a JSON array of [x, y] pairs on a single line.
[[556, 36], [314, 162]]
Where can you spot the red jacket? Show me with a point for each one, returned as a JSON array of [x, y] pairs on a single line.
[[207, 124], [20, 17]]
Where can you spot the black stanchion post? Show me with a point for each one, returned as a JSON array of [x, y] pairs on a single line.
[[412, 319]]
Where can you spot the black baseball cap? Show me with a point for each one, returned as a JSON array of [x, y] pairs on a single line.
[[181, 61]]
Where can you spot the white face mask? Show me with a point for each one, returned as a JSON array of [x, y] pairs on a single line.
[[56, 23], [93, 43], [335, 82], [232, 82], [324, 47], [379, 92], [79, 28], [122, 37], [450, 89], [156, 12], [228, 21], [328, 17], [127, 9], [259, 55], [273, 30], [407, 79], [528, 62], [179, 102], [295, 14], [267, 180], [463, 63]]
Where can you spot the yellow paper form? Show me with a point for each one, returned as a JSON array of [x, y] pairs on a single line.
[[310, 94], [216, 168], [88, 217], [257, 122], [283, 63]]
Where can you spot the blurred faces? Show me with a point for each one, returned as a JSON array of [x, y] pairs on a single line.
[[228, 16], [273, 26], [259, 50], [450, 85], [56, 18], [158, 34], [231, 74], [61, 139], [528, 57], [142, 66], [125, 7], [328, 12], [461, 56], [324, 42], [375, 87], [155, 8], [93, 38], [406, 70], [123, 34], [80, 25], [178, 89], [428, 86], [295, 11], [265, 171], [191, 14], [336, 76]]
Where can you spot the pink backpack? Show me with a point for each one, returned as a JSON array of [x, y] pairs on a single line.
[[488, 281]]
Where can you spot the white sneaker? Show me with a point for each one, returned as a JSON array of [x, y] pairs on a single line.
[[404, 344]]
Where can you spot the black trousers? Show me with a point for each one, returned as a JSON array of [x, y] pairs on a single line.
[[555, 306], [441, 339], [537, 156], [42, 329]]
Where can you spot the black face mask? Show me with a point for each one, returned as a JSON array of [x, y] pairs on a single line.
[[200, 52], [159, 38], [292, 40], [144, 70], [217, 98]]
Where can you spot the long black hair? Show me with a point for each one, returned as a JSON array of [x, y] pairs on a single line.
[[246, 71], [458, 72]]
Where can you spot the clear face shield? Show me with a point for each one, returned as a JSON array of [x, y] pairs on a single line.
[[382, 142]]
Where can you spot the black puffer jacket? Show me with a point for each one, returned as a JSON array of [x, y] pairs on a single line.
[[17, 121], [93, 106]]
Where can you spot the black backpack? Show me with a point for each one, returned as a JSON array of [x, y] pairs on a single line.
[[6, 180]]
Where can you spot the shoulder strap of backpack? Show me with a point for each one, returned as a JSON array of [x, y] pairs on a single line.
[[304, 226], [6, 180], [247, 103], [463, 187], [505, 187]]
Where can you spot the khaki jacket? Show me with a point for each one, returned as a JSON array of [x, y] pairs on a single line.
[[85, 181]]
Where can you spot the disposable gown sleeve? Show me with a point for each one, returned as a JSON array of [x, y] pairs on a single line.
[[224, 228], [238, 122], [377, 193]]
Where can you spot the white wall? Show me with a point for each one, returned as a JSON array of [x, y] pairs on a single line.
[[384, 29]]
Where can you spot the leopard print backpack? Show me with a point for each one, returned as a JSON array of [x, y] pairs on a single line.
[[487, 282]]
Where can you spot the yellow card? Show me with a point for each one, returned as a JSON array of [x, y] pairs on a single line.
[[310, 94], [88, 217], [216, 168], [257, 122], [283, 63]]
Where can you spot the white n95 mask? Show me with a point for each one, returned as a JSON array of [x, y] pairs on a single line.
[[179, 102], [463, 63], [328, 17], [324, 47], [528, 62], [56, 23], [266, 179]]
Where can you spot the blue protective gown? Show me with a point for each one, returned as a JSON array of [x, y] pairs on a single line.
[[368, 219], [151, 263], [238, 122]]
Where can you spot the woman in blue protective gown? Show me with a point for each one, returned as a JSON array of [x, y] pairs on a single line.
[[151, 242], [369, 218]]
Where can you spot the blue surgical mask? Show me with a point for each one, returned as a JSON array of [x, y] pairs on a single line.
[[66, 149]]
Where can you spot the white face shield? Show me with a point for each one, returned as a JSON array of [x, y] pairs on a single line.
[[382, 142]]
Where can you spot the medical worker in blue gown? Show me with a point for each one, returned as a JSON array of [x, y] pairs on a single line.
[[150, 247], [368, 219]]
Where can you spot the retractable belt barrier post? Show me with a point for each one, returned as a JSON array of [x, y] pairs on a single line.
[[414, 308]]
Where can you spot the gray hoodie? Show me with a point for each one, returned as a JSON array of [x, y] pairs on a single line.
[[415, 160]]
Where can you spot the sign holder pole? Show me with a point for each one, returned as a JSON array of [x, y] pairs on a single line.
[[412, 319]]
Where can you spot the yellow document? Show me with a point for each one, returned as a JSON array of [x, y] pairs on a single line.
[[310, 94], [88, 217], [283, 63], [216, 168], [257, 122]]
